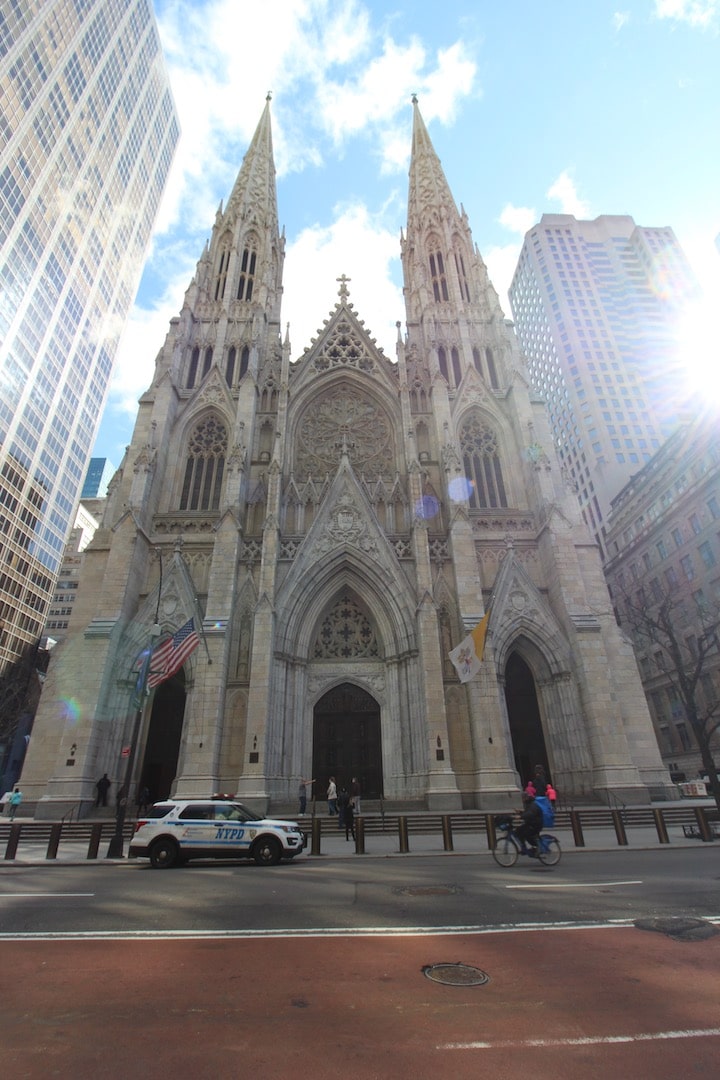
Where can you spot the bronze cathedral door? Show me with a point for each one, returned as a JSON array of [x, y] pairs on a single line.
[[346, 741]]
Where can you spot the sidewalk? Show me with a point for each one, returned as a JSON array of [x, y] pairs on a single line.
[[387, 845]]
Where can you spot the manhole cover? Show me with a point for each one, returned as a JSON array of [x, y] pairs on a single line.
[[426, 890], [680, 928], [456, 974]]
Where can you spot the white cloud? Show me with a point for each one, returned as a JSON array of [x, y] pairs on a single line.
[[620, 19], [360, 246], [375, 95], [502, 260], [563, 190], [372, 101], [698, 13], [501, 263], [453, 79], [518, 219], [143, 337]]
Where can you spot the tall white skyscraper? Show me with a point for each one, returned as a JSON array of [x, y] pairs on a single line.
[[596, 307], [88, 129]]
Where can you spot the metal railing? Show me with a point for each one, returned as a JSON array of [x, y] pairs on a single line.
[[698, 822]]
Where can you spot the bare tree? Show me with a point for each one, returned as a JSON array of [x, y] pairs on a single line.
[[686, 652]]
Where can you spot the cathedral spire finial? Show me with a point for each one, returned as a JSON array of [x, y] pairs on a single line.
[[343, 290], [254, 189], [414, 99]]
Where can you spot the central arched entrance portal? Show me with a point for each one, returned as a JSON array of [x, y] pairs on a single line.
[[162, 747], [346, 740], [528, 739]]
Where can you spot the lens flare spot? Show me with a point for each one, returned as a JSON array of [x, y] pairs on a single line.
[[460, 488], [70, 710], [427, 507]]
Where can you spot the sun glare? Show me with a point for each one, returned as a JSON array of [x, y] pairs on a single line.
[[699, 355]]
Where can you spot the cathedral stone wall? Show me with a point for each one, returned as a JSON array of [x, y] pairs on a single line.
[[334, 525]]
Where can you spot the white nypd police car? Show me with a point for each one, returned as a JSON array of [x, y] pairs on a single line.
[[176, 830]]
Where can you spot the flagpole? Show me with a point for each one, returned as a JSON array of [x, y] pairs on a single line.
[[115, 847], [202, 629]]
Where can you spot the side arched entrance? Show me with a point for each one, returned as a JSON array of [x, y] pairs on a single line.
[[526, 731], [162, 746], [346, 740]]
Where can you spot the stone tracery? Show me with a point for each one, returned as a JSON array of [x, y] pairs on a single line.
[[342, 421], [346, 632]]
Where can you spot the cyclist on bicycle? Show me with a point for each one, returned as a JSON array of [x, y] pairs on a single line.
[[532, 823]]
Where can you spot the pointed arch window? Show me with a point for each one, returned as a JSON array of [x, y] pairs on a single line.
[[481, 463], [442, 361], [492, 370], [230, 366], [462, 277], [207, 361], [244, 361], [477, 361], [455, 358], [437, 276], [192, 370], [205, 466], [247, 274], [221, 277]]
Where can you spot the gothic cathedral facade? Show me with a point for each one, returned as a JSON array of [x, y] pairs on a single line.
[[336, 524]]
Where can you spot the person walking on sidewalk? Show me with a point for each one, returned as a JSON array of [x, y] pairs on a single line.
[[539, 780], [350, 820], [342, 805], [332, 797], [303, 795], [103, 786], [15, 800]]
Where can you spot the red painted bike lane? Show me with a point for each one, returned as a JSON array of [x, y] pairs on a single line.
[[574, 1003]]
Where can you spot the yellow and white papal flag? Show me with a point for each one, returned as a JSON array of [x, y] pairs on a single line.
[[467, 656]]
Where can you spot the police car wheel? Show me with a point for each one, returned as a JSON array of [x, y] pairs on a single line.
[[164, 854], [267, 851]]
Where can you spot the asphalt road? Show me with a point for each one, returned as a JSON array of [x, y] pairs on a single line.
[[323, 967], [348, 894]]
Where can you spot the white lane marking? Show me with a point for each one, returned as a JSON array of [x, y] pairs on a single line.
[[576, 885], [588, 1040], [28, 895], [319, 932]]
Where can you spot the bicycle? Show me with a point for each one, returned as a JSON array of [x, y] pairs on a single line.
[[507, 849]]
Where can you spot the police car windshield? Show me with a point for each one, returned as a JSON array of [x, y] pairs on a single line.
[[246, 812]]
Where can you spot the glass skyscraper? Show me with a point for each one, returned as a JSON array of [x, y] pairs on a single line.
[[596, 307], [88, 129]]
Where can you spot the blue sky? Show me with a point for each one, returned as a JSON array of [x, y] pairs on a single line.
[[534, 106]]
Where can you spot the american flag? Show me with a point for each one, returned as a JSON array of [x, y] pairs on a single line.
[[171, 654]]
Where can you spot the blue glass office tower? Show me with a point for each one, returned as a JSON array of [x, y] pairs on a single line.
[[88, 129]]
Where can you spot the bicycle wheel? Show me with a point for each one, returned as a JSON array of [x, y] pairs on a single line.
[[549, 851], [505, 852]]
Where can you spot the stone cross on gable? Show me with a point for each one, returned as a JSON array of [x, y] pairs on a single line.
[[343, 291]]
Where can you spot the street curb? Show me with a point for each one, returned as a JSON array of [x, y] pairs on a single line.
[[350, 856]]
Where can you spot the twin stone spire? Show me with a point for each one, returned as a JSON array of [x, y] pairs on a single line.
[[243, 262]]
